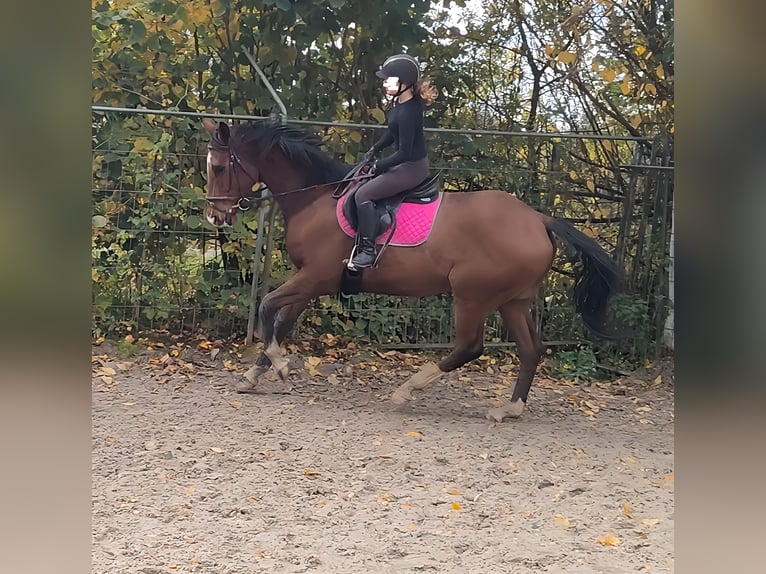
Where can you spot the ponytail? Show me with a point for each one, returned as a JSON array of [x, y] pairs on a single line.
[[425, 91]]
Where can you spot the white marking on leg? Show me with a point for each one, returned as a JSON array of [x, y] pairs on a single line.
[[427, 374], [278, 360]]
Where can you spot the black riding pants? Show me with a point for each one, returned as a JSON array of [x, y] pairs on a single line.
[[400, 177]]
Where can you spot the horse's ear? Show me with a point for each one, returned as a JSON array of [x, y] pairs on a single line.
[[223, 133], [209, 125]]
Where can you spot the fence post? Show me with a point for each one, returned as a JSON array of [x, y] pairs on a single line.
[[261, 215]]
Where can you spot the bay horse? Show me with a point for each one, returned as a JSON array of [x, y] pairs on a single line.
[[487, 248]]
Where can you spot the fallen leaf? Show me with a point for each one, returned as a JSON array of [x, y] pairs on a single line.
[[191, 490], [454, 492], [627, 510], [205, 345], [107, 380], [609, 540], [406, 505], [658, 380], [413, 526], [310, 472], [650, 521], [386, 497], [414, 433], [644, 409], [387, 455], [236, 404], [629, 460], [216, 449], [456, 506], [229, 365], [130, 339], [128, 404], [106, 371], [561, 521], [251, 500], [314, 361]]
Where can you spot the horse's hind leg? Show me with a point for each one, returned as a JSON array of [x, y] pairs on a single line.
[[283, 323], [518, 321], [469, 345]]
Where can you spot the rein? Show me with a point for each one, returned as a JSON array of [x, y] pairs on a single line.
[[245, 203]]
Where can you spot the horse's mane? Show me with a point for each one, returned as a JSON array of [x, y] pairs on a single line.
[[299, 146]]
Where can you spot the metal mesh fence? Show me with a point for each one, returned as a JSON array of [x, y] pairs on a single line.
[[158, 265]]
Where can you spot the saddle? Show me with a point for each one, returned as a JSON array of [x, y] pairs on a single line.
[[427, 191]]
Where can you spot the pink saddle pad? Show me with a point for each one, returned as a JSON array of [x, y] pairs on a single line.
[[413, 222]]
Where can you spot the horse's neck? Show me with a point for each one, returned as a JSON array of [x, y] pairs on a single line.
[[296, 200]]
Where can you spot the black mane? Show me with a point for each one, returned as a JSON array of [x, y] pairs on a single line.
[[299, 146]]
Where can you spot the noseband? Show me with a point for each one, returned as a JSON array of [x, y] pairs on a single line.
[[243, 203]]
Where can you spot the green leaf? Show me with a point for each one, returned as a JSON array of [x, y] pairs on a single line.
[[137, 32], [193, 221], [99, 221]]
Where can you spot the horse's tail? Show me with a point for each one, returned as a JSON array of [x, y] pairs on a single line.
[[595, 281]]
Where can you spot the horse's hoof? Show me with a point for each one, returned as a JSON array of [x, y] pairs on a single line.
[[509, 410], [244, 386], [283, 372], [401, 397]]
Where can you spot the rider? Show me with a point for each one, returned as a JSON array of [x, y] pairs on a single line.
[[408, 165]]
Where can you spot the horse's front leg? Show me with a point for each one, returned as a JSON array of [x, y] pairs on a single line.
[[297, 291], [283, 324]]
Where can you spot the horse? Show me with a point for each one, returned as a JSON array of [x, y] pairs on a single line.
[[487, 248]]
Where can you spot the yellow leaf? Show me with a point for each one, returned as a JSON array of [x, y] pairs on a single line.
[[216, 449], [607, 145], [650, 89], [356, 137], [566, 57], [379, 115], [414, 433], [386, 497], [561, 521], [650, 521], [314, 361], [573, 174], [609, 540], [191, 490], [660, 71], [608, 75], [229, 365], [236, 404], [640, 50], [106, 371], [590, 185], [590, 233], [130, 339], [454, 492], [310, 472], [625, 87], [205, 345], [456, 506], [627, 510], [658, 380], [413, 526], [107, 380], [635, 121]]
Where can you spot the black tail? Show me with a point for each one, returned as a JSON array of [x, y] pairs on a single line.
[[595, 281]]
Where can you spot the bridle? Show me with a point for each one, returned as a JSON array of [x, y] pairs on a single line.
[[243, 203]]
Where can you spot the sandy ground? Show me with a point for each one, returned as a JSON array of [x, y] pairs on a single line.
[[326, 475]]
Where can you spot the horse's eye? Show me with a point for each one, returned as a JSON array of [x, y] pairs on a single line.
[[218, 169]]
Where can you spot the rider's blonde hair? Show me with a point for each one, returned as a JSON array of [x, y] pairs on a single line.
[[425, 91]]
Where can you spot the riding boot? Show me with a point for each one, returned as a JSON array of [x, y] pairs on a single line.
[[368, 224]]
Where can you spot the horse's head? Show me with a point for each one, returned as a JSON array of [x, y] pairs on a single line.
[[230, 180]]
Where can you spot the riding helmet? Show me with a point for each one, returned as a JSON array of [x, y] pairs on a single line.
[[403, 66]]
